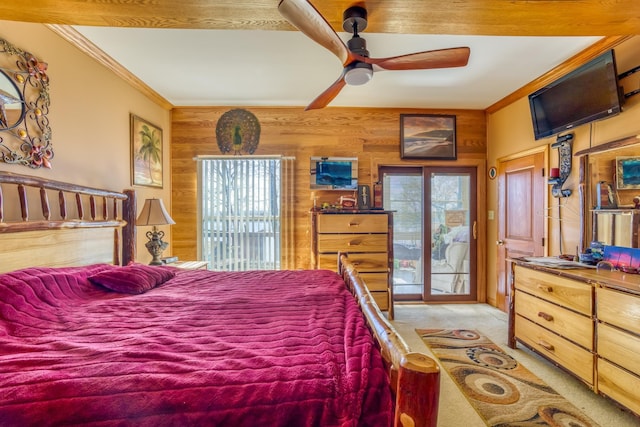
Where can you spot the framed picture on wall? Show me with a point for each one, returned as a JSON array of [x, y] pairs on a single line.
[[428, 136], [146, 153], [628, 173]]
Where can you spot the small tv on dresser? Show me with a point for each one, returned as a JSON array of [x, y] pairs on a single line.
[[334, 173]]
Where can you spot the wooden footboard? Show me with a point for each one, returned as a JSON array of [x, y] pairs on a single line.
[[415, 377]]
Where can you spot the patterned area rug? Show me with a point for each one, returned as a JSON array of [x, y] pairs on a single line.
[[501, 390]]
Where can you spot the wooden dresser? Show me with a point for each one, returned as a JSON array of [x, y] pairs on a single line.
[[618, 339], [367, 237], [584, 321]]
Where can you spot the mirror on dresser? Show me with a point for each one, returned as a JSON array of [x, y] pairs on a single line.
[[609, 183]]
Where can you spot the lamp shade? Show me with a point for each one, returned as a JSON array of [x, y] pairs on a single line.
[[154, 213]]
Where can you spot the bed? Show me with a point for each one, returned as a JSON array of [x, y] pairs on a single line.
[[90, 337]]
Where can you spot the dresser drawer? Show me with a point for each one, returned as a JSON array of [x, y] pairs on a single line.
[[574, 358], [619, 385], [363, 262], [352, 243], [566, 292], [358, 223], [569, 324], [619, 347], [376, 281], [381, 299], [619, 309]]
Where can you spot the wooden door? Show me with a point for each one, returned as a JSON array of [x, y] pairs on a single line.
[[521, 192]]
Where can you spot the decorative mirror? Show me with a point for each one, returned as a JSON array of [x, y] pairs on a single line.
[[609, 213], [25, 134]]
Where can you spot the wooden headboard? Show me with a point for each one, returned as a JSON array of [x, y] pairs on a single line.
[[86, 226]]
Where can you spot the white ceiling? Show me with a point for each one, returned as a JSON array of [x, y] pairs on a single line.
[[285, 68]]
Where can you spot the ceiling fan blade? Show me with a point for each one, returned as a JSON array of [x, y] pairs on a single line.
[[306, 18], [327, 96], [443, 58]]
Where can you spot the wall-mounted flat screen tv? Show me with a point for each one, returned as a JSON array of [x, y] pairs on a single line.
[[334, 173], [589, 93]]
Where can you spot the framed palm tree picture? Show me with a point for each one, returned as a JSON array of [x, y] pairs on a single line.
[[146, 153]]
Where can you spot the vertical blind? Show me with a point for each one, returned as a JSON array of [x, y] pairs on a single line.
[[245, 212]]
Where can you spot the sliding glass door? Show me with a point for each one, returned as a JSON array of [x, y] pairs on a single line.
[[436, 205]]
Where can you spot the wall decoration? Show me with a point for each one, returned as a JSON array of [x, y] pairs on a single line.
[[25, 134], [146, 153], [558, 176], [364, 197], [493, 172], [627, 173], [605, 196], [428, 136], [238, 131]]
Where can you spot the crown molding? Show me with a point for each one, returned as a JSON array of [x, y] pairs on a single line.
[[71, 35]]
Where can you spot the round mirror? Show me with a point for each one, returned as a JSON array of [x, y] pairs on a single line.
[[11, 103]]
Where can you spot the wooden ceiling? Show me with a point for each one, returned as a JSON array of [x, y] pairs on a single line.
[[478, 17], [617, 19]]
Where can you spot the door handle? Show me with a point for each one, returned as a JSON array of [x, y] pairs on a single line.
[[500, 242], [475, 230]]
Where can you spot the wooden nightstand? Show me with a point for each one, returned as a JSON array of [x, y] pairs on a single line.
[[190, 265]]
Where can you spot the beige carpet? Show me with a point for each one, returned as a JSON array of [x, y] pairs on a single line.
[[503, 392], [454, 409]]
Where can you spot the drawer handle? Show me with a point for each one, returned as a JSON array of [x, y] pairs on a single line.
[[545, 345], [354, 243], [545, 288], [545, 316], [354, 224]]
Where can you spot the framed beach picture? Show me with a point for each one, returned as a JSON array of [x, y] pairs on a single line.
[[146, 153], [628, 173], [428, 136]]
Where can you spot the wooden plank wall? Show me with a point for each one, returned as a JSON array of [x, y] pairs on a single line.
[[371, 134]]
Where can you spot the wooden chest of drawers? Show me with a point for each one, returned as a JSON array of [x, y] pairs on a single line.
[[553, 315], [618, 346], [586, 321], [367, 237]]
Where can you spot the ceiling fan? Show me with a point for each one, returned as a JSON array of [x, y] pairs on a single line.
[[358, 66]]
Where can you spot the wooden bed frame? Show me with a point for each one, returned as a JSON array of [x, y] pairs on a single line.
[[66, 235], [415, 377], [69, 237]]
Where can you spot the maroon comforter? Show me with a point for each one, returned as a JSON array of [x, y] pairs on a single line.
[[287, 348]]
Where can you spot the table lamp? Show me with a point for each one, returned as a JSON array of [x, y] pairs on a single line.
[[153, 213]]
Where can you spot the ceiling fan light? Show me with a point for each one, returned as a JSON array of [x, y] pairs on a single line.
[[358, 74]]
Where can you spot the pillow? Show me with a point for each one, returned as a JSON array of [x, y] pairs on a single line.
[[461, 234], [132, 279]]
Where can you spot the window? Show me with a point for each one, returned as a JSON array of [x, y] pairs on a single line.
[[244, 212]]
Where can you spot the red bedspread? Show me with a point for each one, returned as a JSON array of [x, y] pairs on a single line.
[[263, 348]]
